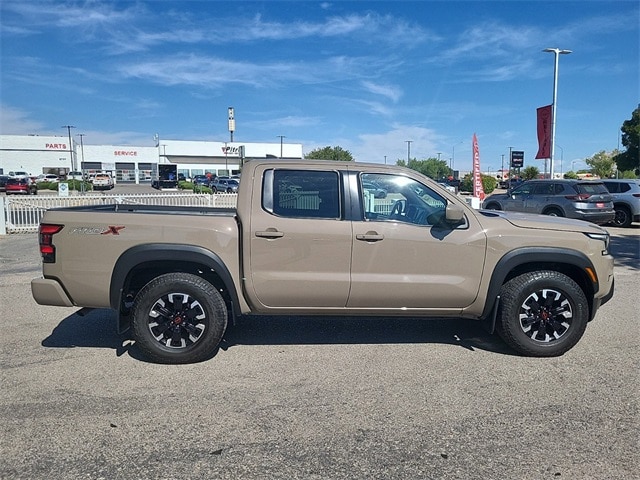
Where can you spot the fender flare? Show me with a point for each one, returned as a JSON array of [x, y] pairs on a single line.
[[146, 253], [529, 255]]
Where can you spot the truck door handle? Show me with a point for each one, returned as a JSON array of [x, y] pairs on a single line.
[[369, 237], [270, 233]]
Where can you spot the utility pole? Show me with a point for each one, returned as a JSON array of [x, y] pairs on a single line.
[[69, 127], [408, 142]]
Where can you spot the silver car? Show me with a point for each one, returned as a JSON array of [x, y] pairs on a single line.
[[626, 200], [581, 199]]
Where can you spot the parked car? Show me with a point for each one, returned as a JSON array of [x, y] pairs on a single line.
[[510, 183], [75, 176], [201, 180], [225, 185], [49, 177], [582, 199], [102, 181], [626, 200], [21, 186], [18, 174], [377, 190], [3, 182], [448, 187]]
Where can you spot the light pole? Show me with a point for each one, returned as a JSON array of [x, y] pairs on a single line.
[[556, 53], [453, 154], [81, 150], [561, 157], [281, 137], [572, 163], [69, 127], [408, 142]]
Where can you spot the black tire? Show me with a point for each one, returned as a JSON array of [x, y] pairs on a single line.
[[542, 314], [553, 212], [492, 206], [178, 318], [623, 216]]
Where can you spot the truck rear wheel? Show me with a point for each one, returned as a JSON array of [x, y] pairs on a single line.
[[542, 314], [178, 318]]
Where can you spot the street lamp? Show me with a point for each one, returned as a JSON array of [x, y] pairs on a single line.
[[561, 157], [556, 52], [572, 163]]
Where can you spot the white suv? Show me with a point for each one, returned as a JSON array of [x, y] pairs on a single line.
[[626, 201], [102, 181]]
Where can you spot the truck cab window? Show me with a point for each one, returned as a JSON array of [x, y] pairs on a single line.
[[302, 194], [388, 197]]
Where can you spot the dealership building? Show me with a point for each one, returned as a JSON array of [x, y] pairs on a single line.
[[41, 154]]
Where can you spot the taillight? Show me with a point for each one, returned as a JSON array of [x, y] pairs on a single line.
[[47, 249], [579, 197]]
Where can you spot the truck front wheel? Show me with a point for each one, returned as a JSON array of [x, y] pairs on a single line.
[[178, 318], [542, 314]]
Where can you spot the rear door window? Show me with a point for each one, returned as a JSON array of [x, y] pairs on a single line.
[[302, 193]]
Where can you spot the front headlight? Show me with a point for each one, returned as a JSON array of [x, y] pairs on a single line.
[[604, 237]]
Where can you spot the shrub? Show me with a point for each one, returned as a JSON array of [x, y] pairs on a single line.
[[47, 185], [202, 189]]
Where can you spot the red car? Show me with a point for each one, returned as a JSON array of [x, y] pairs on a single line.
[[23, 186]]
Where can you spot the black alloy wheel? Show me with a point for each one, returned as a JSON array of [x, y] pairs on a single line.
[[178, 318], [542, 313], [622, 218]]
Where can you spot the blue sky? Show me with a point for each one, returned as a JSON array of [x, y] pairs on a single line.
[[366, 76]]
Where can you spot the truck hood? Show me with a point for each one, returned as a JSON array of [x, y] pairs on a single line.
[[545, 222]]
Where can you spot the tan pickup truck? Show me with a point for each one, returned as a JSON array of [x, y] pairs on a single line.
[[325, 238]]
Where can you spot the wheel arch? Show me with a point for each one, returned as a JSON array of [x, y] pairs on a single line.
[[572, 263], [493, 203], [140, 264], [553, 206]]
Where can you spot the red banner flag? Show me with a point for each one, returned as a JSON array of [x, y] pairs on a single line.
[[544, 132], [478, 189]]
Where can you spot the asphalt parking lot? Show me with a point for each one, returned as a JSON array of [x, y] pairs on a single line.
[[316, 398]]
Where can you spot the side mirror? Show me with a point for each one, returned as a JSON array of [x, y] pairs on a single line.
[[454, 214]]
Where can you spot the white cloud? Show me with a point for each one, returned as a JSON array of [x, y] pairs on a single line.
[[17, 122], [392, 92], [393, 143]]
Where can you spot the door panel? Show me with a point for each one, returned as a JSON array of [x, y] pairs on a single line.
[[415, 266], [300, 247], [404, 257]]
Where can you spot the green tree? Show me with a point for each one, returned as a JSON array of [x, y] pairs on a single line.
[[330, 153], [530, 172], [430, 167], [630, 159], [489, 183], [571, 175], [601, 164]]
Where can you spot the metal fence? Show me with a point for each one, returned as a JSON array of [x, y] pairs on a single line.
[[23, 214]]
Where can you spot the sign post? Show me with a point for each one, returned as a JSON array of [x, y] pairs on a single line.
[[63, 189]]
